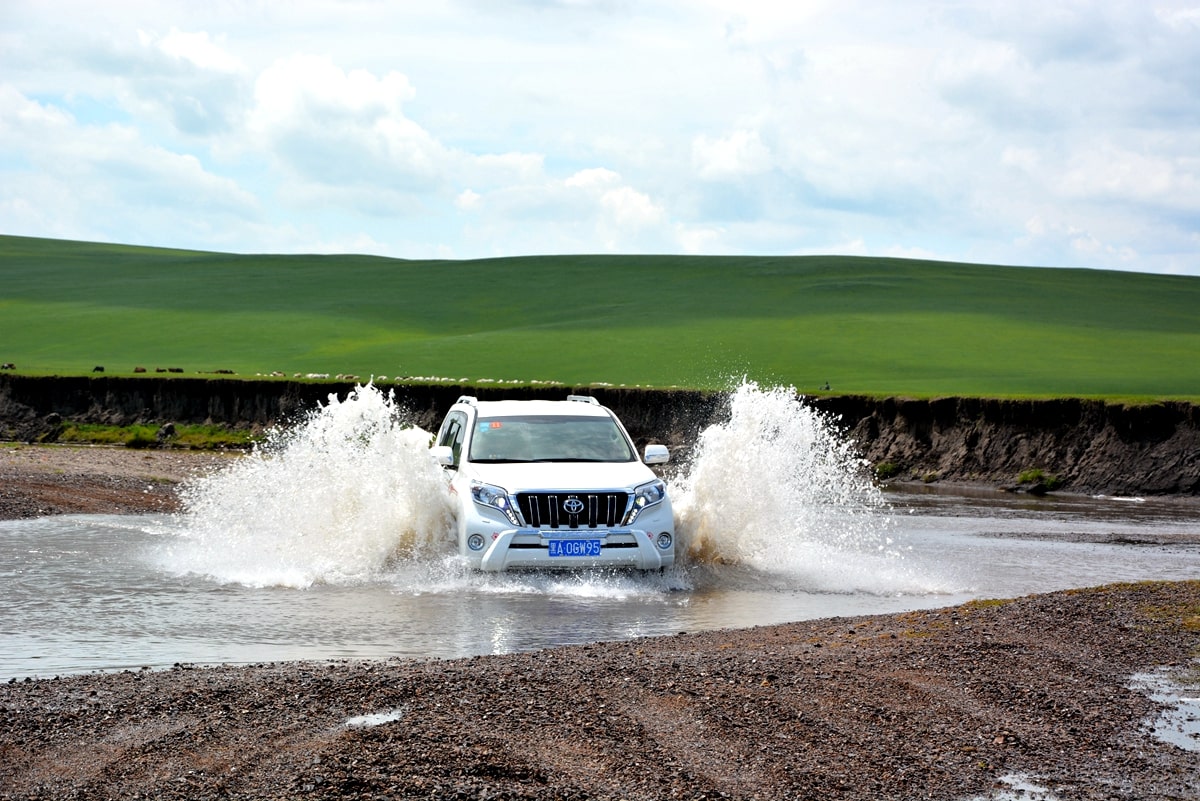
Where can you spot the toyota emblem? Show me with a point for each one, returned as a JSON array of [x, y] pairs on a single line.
[[572, 505]]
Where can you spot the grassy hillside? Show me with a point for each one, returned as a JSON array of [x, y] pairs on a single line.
[[863, 325]]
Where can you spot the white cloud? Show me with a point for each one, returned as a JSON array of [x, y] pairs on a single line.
[[700, 241], [468, 199], [619, 209], [596, 178], [1181, 18], [95, 179], [1026, 159], [1132, 176], [1092, 248], [1100, 179], [501, 169], [25, 120], [180, 82], [719, 126], [196, 48], [740, 154], [627, 207], [339, 127]]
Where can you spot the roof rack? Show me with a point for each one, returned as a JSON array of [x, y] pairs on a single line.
[[584, 399], [467, 399]]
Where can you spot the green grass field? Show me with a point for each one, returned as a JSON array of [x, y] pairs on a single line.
[[882, 326]]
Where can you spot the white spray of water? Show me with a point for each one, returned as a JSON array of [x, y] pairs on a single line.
[[352, 495], [776, 489], [335, 499]]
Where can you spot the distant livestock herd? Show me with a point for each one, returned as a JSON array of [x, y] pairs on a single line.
[[99, 368]]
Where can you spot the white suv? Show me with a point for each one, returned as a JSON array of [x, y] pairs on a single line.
[[553, 484]]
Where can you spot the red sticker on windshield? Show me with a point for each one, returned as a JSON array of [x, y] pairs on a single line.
[[495, 424]]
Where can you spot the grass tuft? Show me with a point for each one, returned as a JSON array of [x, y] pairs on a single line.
[[1039, 476], [886, 470], [192, 437]]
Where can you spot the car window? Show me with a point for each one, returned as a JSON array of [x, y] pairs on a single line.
[[453, 432], [549, 438]]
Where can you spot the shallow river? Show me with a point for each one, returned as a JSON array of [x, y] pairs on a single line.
[[330, 543], [92, 592]]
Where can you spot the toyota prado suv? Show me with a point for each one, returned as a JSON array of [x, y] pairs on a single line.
[[553, 484]]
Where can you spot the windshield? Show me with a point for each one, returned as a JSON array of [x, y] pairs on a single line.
[[550, 438]]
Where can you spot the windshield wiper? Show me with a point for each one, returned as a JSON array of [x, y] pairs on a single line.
[[501, 461], [565, 459]]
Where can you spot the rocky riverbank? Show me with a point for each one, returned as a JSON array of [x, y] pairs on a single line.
[[41, 480], [947, 704]]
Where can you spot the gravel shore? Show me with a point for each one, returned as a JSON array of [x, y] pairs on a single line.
[[943, 704], [40, 480]]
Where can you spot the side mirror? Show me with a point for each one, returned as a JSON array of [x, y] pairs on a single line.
[[657, 454], [443, 454]]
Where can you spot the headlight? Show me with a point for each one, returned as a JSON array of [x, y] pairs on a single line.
[[644, 497], [495, 498]]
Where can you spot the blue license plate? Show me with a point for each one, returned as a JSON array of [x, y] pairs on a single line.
[[574, 547]]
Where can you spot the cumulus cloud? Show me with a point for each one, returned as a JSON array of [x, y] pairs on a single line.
[[624, 218], [1106, 172], [73, 170], [500, 169], [183, 78], [591, 210], [1103, 173], [346, 135], [467, 199], [626, 207], [740, 154], [25, 121], [619, 209], [1180, 18], [194, 47], [340, 127], [1022, 132]]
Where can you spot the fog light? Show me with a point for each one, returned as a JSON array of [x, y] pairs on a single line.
[[475, 542], [664, 541]]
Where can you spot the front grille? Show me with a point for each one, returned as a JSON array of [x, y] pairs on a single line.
[[556, 509]]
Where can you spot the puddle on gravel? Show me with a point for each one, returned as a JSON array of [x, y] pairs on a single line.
[[1020, 788], [374, 719], [1178, 722]]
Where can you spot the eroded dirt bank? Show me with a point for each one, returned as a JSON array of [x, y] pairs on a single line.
[[1089, 446], [936, 704]]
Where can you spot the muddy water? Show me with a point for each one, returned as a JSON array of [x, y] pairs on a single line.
[[89, 593], [332, 543]]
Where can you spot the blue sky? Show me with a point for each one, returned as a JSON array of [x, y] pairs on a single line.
[[1035, 133]]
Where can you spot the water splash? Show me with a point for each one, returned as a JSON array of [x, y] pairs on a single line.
[[777, 490], [335, 499], [772, 496]]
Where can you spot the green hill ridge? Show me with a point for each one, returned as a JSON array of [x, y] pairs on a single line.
[[864, 325]]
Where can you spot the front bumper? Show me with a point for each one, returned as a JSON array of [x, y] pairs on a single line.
[[515, 549]]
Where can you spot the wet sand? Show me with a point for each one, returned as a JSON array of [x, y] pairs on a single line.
[[935, 704]]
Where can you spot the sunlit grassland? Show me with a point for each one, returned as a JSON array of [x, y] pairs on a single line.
[[880, 326], [193, 437]]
